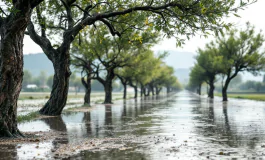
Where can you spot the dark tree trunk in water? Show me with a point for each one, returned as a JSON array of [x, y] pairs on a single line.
[[87, 84], [124, 82], [199, 89], [60, 86], [135, 91], [151, 88], [124, 91], [88, 93], [224, 89], [108, 86], [108, 91], [142, 90], [12, 31], [211, 90]]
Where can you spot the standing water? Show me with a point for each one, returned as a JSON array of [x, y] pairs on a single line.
[[180, 126]]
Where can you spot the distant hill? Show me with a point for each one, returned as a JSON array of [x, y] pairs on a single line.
[[35, 63], [183, 75]]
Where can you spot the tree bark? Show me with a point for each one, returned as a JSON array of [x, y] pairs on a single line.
[[151, 88], [224, 89], [108, 86], [135, 89], [135, 92], [12, 29], [87, 99], [87, 84], [108, 92], [60, 86], [199, 89], [124, 91], [211, 90], [124, 82]]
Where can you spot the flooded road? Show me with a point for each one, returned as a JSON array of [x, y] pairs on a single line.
[[180, 126]]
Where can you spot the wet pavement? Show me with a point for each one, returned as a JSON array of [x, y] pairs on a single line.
[[180, 126]]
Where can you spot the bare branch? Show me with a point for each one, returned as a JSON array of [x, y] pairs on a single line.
[[111, 28]]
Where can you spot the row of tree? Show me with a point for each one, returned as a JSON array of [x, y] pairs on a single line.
[[231, 53], [55, 24], [128, 58]]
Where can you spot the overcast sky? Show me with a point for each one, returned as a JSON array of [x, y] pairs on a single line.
[[254, 14]]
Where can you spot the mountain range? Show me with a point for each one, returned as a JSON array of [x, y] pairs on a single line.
[[180, 61]]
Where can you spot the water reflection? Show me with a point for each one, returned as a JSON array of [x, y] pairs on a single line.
[[182, 126]]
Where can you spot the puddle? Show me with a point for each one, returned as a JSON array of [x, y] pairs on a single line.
[[183, 126]]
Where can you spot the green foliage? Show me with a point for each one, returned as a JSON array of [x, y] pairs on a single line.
[[197, 77], [241, 51], [172, 18]]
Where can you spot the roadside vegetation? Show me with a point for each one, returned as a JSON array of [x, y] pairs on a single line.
[[251, 96]]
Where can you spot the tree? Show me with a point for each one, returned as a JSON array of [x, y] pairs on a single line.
[[13, 23], [69, 17], [241, 52], [212, 63], [197, 77]]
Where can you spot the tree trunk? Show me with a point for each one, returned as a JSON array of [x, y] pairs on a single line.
[[88, 93], [199, 89], [87, 84], [146, 92], [135, 92], [12, 31], [151, 88], [124, 91], [134, 87], [59, 93], [108, 93], [224, 89], [108, 86], [142, 91], [211, 90]]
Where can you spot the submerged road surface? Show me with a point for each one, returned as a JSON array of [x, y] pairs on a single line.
[[179, 126]]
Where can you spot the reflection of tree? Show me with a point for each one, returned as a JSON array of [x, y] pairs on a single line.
[[211, 110], [108, 118], [124, 112], [87, 121], [227, 125], [221, 127], [57, 124]]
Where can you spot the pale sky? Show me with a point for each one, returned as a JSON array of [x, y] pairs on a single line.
[[254, 14]]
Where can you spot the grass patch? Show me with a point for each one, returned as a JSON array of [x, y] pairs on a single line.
[[27, 117], [258, 97]]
